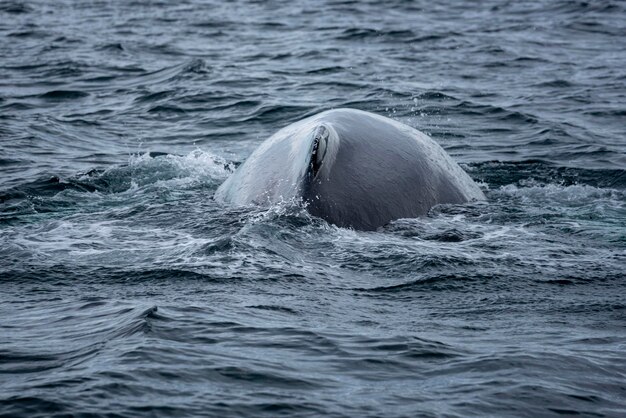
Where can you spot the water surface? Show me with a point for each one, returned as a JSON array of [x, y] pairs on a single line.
[[127, 291]]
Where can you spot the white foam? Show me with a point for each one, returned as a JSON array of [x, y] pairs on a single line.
[[197, 167], [576, 194]]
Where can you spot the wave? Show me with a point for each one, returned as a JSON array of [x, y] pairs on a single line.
[[84, 328], [141, 170], [501, 173]]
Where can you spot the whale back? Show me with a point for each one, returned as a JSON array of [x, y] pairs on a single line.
[[352, 168]]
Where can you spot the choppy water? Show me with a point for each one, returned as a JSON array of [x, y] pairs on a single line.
[[127, 291]]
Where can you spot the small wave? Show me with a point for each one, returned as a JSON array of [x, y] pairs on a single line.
[[407, 347], [593, 26], [275, 113], [83, 328], [443, 282], [496, 112], [431, 231], [275, 308], [326, 70], [162, 110], [582, 6], [609, 113], [34, 33], [433, 95], [576, 194], [383, 34], [142, 78], [64, 95], [156, 96], [501, 173], [116, 46], [271, 378], [39, 405], [558, 83], [15, 7]]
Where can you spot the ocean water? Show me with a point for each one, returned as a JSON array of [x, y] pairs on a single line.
[[127, 291]]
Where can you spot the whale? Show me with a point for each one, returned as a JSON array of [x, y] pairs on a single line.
[[352, 168]]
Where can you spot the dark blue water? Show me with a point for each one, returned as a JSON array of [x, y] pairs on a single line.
[[127, 291]]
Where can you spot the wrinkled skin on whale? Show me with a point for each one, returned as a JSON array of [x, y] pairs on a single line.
[[352, 168]]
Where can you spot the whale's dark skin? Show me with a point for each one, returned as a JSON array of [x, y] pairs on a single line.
[[352, 168]]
